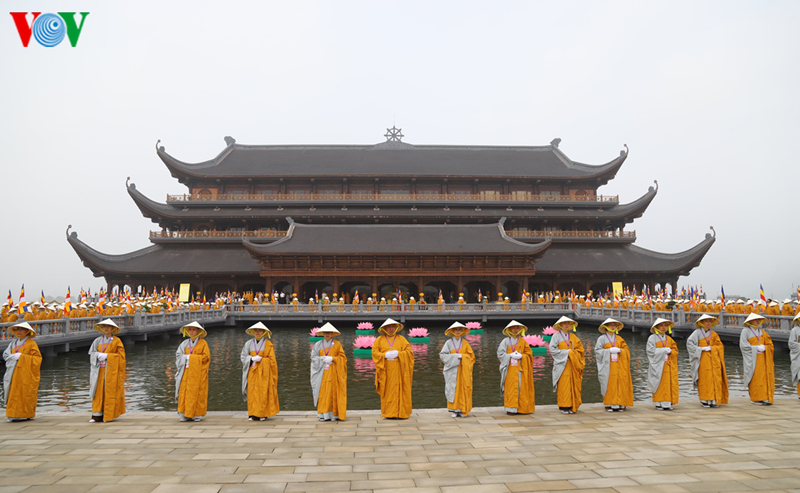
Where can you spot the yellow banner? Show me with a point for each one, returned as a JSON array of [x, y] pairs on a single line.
[[616, 286], [183, 296]]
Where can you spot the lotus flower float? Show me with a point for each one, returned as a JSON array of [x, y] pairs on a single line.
[[363, 342]]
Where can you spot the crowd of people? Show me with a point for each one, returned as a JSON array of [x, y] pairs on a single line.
[[394, 369]]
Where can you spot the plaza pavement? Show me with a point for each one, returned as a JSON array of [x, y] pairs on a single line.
[[740, 447]]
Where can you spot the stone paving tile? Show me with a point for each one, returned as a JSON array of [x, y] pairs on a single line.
[[687, 450]]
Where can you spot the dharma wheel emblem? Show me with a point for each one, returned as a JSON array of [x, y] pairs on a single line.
[[394, 134]]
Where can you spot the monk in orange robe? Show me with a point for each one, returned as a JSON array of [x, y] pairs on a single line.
[[757, 355], [107, 373], [614, 367], [329, 375], [707, 360], [259, 374], [516, 370], [662, 374], [21, 380], [568, 364], [394, 370], [191, 381]]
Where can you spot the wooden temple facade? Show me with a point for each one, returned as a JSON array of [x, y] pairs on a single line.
[[391, 217]]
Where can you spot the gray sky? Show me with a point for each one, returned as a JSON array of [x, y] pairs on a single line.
[[704, 93]]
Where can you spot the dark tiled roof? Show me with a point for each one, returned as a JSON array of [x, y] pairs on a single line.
[[619, 259], [459, 239], [381, 160], [168, 259], [622, 212]]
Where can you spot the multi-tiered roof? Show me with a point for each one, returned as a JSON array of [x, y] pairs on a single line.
[[533, 215]]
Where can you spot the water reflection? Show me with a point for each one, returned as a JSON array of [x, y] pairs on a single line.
[[151, 366]]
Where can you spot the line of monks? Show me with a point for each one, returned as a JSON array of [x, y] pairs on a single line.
[[394, 369]]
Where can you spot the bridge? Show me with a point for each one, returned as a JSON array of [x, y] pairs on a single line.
[[63, 335]]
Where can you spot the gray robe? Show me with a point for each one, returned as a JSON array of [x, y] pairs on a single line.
[[10, 365], [560, 357], [749, 353], [695, 353], [656, 357], [247, 361], [505, 359], [603, 358], [450, 371], [317, 368], [180, 362], [94, 365], [794, 354]]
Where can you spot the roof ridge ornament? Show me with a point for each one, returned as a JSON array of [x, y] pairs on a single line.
[[712, 229], [626, 151], [159, 148], [555, 142], [394, 134], [229, 141]]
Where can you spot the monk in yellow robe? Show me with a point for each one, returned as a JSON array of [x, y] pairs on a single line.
[[568, 364], [107, 373], [613, 367], [394, 370], [707, 360], [21, 380], [259, 374], [662, 374], [458, 360], [757, 355], [329, 376], [516, 370], [191, 381]]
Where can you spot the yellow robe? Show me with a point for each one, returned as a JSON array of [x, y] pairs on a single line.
[[522, 397], [571, 382], [333, 389], [668, 388], [262, 382], [193, 396], [712, 378], [619, 391], [762, 385], [463, 396], [23, 392], [393, 378], [109, 397]]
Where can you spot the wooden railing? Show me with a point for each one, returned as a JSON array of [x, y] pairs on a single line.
[[281, 234], [391, 197], [218, 234], [571, 234]]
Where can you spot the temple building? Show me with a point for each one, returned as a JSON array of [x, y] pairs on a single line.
[[313, 219]]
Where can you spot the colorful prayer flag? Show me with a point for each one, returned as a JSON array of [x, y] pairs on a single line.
[[41, 299], [23, 307], [722, 294], [67, 303], [763, 298]]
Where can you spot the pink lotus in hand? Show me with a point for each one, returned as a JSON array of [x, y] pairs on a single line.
[[534, 340], [548, 331], [314, 332], [364, 326], [418, 332], [364, 342], [473, 325]]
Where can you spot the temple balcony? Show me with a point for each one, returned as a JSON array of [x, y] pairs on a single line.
[[518, 198], [269, 234]]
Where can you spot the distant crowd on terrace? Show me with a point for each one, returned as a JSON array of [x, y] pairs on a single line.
[[127, 303]]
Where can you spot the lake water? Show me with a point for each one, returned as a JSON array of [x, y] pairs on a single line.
[[151, 369]]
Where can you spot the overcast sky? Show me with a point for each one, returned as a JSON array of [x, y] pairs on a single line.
[[705, 94]]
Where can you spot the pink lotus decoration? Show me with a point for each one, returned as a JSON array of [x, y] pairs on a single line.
[[534, 340], [548, 331], [364, 342], [473, 325], [364, 326], [314, 332], [418, 332]]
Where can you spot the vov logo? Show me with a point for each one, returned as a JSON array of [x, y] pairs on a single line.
[[48, 29]]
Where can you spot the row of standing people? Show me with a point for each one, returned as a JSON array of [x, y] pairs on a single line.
[[394, 367]]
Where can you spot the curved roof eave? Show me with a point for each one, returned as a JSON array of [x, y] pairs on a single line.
[[101, 264], [182, 170], [685, 260], [150, 208]]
